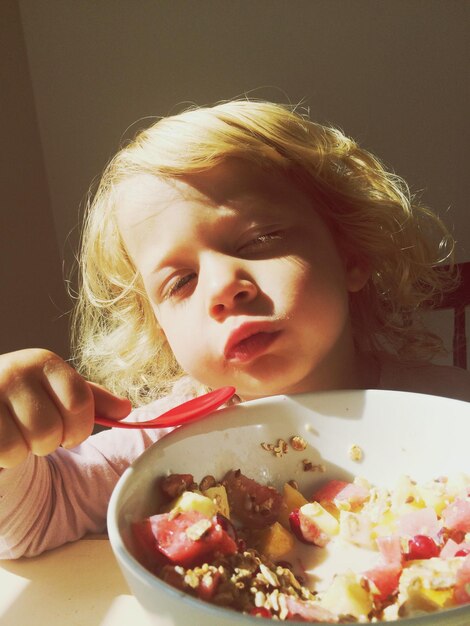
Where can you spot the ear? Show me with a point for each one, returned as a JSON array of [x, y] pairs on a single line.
[[357, 272]]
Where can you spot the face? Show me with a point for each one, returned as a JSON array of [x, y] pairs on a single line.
[[245, 279]]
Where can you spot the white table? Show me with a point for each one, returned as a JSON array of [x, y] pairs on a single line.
[[79, 584]]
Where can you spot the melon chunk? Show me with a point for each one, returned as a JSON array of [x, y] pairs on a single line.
[[193, 501], [346, 596], [291, 499], [218, 495], [275, 541]]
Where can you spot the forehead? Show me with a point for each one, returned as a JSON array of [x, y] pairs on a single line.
[[230, 183]]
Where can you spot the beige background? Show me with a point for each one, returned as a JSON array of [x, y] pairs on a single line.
[[75, 74]]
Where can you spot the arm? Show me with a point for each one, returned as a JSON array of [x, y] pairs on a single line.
[[48, 501], [47, 408]]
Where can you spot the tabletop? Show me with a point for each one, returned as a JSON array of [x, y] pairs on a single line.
[[78, 584]]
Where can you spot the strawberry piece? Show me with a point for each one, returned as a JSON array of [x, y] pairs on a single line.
[[384, 578], [294, 523], [456, 516], [177, 538], [329, 491], [462, 586], [420, 522]]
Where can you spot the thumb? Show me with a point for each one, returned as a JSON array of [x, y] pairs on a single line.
[[109, 405]]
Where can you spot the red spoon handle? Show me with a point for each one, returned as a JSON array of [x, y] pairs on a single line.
[[187, 412]]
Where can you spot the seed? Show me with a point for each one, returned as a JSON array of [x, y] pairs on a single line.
[[298, 443], [269, 575], [260, 598], [355, 453]]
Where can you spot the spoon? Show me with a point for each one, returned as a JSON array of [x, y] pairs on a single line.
[[187, 412]]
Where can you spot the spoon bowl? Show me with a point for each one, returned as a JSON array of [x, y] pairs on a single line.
[[183, 413]]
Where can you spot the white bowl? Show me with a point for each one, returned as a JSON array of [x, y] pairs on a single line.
[[399, 433]]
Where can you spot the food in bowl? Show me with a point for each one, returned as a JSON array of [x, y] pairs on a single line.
[[240, 544]]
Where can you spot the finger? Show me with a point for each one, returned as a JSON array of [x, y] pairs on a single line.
[[36, 416], [13, 447], [73, 399], [109, 405]]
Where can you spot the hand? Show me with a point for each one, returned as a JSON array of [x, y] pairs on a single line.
[[45, 403]]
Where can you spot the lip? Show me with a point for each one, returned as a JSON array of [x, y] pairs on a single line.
[[250, 340]]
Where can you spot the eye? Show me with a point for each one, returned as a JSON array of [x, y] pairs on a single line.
[[180, 284], [262, 241]]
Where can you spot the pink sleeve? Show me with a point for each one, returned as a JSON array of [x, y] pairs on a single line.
[[48, 501]]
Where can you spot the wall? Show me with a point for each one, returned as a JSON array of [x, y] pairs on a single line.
[[390, 73], [33, 299]]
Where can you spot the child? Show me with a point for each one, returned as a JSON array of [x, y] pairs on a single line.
[[239, 244]]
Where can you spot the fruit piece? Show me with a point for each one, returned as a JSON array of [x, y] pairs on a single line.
[[218, 495], [329, 491], [189, 537], [192, 501], [315, 524], [457, 486], [145, 546], [308, 611], [463, 552], [356, 528], [386, 525], [423, 600], [451, 548], [434, 495], [440, 597], [456, 516], [346, 596], [275, 542], [390, 549], [294, 523], [291, 499], [383, 579], [421, 547], [434, 573], [340, 495], [254, 505], [419, 522], [405, 497], [462, 586], [351, 497]]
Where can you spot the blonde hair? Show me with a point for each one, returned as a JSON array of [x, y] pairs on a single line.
[[375, 221]]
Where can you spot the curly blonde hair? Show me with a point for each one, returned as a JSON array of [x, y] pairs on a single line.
[[371, 213]]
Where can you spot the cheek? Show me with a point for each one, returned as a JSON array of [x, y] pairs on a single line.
[[316, 291], [183, 338]]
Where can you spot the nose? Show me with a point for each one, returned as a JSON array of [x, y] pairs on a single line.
[[229, 285]]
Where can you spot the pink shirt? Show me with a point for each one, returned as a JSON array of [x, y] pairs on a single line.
[[48, 501]]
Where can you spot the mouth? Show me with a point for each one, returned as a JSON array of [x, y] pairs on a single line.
[[248, 342]]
